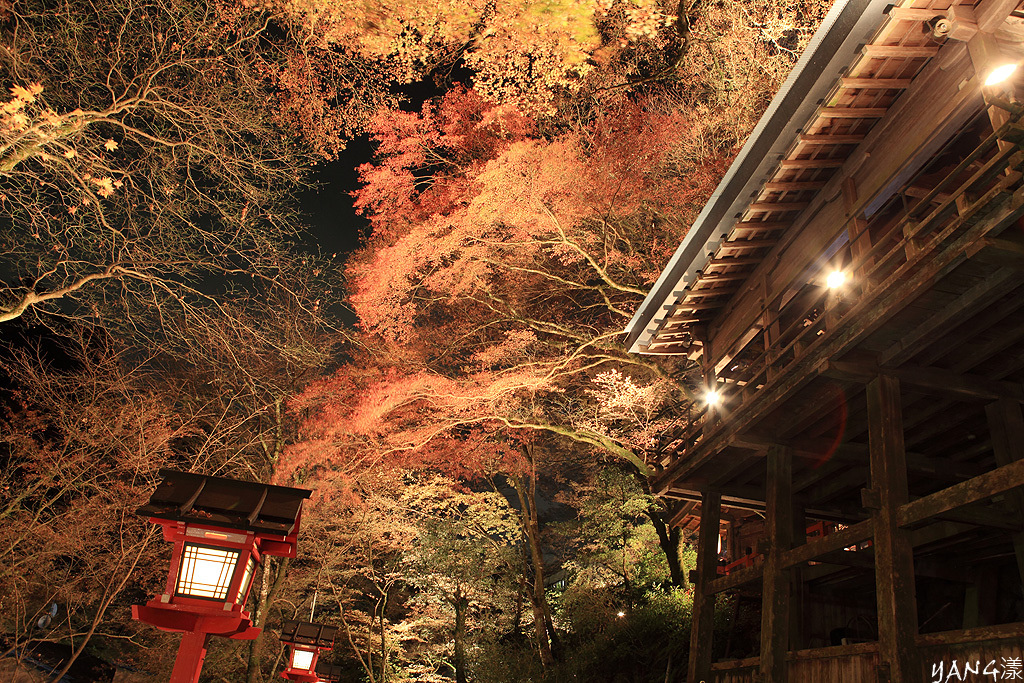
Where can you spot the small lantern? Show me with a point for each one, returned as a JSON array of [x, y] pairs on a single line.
[[329, 673], [307, 641], [220, 529]]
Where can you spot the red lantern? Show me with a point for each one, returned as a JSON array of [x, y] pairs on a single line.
[[307, 641], [220, 529], [329, 673]]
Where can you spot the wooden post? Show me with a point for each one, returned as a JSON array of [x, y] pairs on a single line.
[[772, 336], [857, 233], [796, 580], [775, 596], [1006, 425], [894, 555], [703, 602]]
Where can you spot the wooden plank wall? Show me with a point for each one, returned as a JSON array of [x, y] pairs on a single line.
[[846, 664], [858, 663]]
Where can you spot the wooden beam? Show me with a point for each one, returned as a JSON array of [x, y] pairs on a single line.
[[853, 112], [985, 518], [738, 578], [990, 14], [747, 245], [702, 622], [777, 206], [1006, 424], [684, 511], [725, 277], [982, 487], [937, 380], [733, 261], [910, 14], [884, 302], [702, 306], [964, 304], [1012, 631], [766, 226], [875, 83], [794, 186], [894, 554], [838, 540], [900, 51], [822, 139], [815, 449], [811, 163], [1000, 251]]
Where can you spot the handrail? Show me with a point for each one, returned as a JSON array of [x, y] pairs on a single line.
[[894, 249]]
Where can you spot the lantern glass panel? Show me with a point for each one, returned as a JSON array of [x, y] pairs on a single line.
[[243, 589], [302, 659], [206, 572]]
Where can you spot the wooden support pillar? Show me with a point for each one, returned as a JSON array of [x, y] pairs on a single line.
[[702, 622], [775, 597], [796, 581], [772, 333], [857, 233], [894, 555], [1006, 425]]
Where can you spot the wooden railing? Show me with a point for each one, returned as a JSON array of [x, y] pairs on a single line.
[[906, 245]]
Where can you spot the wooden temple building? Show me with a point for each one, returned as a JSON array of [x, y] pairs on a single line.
[[854, 293]]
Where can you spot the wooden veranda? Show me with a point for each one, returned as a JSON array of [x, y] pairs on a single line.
[[887, 406]]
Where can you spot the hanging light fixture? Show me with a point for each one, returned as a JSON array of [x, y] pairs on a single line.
[[307, 640]]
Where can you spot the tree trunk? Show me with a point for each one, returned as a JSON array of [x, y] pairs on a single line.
[[461, 607], [382, 606], [271, 579], [668, 540], [547, 639], [668, 537]]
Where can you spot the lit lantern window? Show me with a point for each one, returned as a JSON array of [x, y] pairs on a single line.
[[302, 659], [206, 572], [307, 641], [220, 528], [243, 589]]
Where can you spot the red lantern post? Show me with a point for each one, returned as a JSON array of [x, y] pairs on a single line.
[[307, 641], [220, 529]]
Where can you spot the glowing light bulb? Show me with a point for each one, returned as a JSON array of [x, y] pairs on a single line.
[[713, 397], [621, 614], [302, 659], [835, 279], [1000, 74]]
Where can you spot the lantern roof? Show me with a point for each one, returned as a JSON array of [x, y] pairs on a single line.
[[223, 502], [307, 633], [329, 672]]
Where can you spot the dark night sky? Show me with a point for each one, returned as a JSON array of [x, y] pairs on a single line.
[[333, 225]]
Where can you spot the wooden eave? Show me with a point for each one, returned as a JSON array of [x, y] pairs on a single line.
[[885, 67], [946, 323]]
